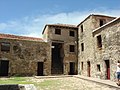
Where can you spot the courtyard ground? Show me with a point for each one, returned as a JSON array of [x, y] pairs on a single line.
[[64, 83]]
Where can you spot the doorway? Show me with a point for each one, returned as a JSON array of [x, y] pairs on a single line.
[[88, 68], [107, 66], [4, 67], [72, 68], [57, 58], [40, 69]]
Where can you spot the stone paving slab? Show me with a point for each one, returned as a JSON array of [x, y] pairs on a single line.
[[56, 76], [100, 81], [107, 83]]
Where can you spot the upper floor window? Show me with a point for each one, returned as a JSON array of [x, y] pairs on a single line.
[[81, 28], [72, 48], [5, 46], [102, 22], [72, 33], [99, 41], [82, 46], [58, 31]]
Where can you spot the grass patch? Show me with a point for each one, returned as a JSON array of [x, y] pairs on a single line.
[[14, 80], [48, 84], [40, 84]]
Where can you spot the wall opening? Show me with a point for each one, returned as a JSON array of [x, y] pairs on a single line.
[[40, 68], [81, 28], [88, 68], [102, 22], [4, 67], [58, 31], [82, 46], [81, 65], [71, 33], [5, 46], [72, 68], [99, 41], [72, 48], [98, 68], [107, 67], [57, 58]]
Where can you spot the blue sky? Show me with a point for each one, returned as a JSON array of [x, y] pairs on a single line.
[[28, 17]]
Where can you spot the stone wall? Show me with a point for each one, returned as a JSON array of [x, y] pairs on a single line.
[[110, 48], [66, 40], [86, 37], [25, 55]]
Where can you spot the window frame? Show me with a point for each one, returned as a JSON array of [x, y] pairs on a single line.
[[82, 47], [98, 68], [102, 22], [5, 46], [99, 41], [72, 33], [81, 28], [71, 48], [82, 65], [57, 31]]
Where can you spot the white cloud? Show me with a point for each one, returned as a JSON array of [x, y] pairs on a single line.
[[33, 26]]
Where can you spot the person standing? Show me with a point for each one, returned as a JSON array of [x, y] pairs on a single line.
[[118, 73]]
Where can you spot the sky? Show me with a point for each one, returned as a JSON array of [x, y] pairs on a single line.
[[28, 17]]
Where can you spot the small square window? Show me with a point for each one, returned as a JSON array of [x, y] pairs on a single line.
[[72, 48], [5, 46], [72, 33], [58, 31]]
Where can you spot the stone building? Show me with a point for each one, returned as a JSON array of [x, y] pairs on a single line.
[[90, 48], [24, 56], [98, 37], [107, 48], [63, 41]]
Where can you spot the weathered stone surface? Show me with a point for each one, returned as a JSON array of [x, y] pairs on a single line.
[[66, 40], [110, 48], [90, 52], [24, 56]]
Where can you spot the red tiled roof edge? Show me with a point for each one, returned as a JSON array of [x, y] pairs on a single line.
[[10, 36]]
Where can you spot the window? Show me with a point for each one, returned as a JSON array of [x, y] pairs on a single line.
[[81, 28], [98, 67], [81, 65], [82, 46], [72, 48], [102, 22], [5, 46], [99, 41], [58, 31], [72, 33]]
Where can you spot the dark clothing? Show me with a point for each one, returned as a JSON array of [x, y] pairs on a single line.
[[118, 75]]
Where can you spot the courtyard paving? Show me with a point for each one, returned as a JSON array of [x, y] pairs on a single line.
[[71, 83], [62, 83]]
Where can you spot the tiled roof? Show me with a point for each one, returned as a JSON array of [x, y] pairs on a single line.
[[10, 36], [60, 25], [95, 15], [63, 25]]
